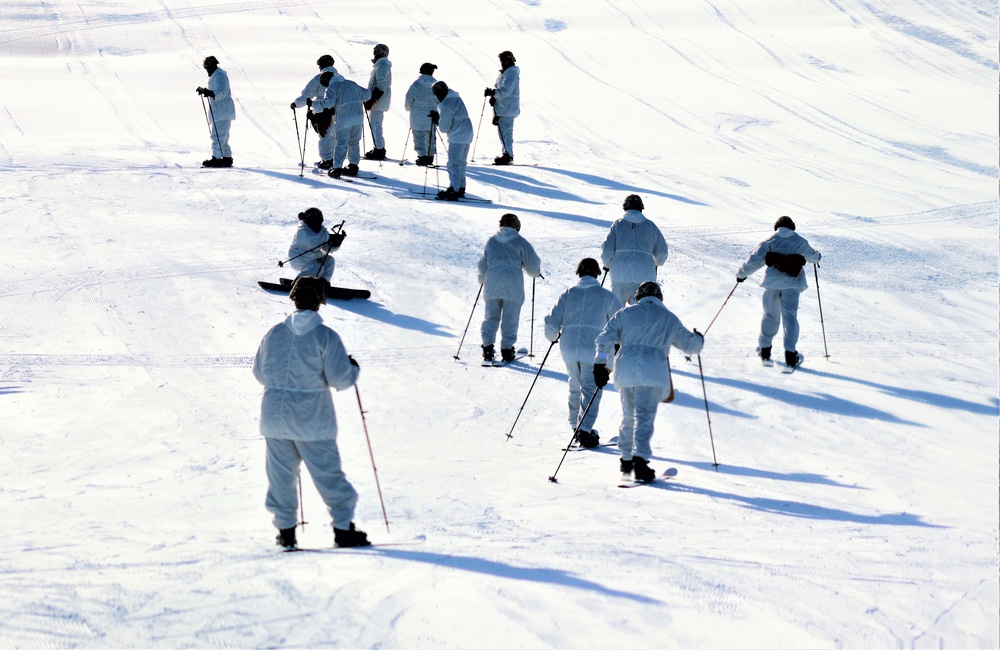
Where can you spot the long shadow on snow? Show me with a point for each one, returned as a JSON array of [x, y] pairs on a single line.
[[523, 183], [375, 311], [816, 402], [615, 185], [308, 179], [500, 570], [922, 396], [752, 472], [799, 509]]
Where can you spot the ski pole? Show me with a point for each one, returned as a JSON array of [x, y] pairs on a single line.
[[374, 469], [405, 142], [302, 507], [510, 434], [336, 228], [215, 128], [688, 356], [478, 127], [715, 463], [605, 276], [531, 332], [826, 353], [575, 433], [372, 129], [474, 303], [299, 144]]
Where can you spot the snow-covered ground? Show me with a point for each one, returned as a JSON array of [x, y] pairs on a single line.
[[855, 504]]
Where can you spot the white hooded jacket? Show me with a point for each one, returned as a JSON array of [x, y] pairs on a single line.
[[505, 254], [634, 248], [507, 92], [314, 89], [787, 242], [454, 119], [306, 239], [347, 97], [222, 104], [645, 331], [381, 78], [420, 101], [579, 315], [298, 361]]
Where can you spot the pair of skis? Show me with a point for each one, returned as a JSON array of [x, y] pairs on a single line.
[[669, 473], [500, 363], [416, 541]]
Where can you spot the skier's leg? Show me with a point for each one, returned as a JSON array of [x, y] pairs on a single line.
[[589, 387], [507, 135], [576, 407], [772, 317], [647, 399], [461, 153], [420, 139], [509, 320], [327, 144], [790, 317], [377, 140], [491, 321], [282, 467], [340, 147], [625, 431], [322, 459], [354, 146]]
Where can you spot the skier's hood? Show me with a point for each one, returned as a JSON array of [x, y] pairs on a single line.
[[426, 80], [587, 281], [785, 232], [303, 321], [634, 216], [506, 233]]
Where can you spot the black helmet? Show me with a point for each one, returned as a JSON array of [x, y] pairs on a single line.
[[633, 202], [428, 68], [312, 217], [380, 50], [440, 90], [324, 61], [308, 292], [588, 266], [507, 55], [511, 221], [784, 222], [649, 288]]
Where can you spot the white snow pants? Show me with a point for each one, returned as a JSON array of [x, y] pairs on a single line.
[[327, 144], [348, 146], [322, 459], [639, 405], [220, 138], [506, 130], [780, 305], [624, 291], [315, 269], [423, 144], [458, 160], [376, 124], [505, 316], [581, 389]]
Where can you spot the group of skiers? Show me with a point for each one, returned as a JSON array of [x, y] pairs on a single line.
[[338, 108]]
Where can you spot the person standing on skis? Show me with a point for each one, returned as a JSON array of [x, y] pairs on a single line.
[[639, 338], [313, 91], [345, 98], [575, 321], [452, 118], [632, 250], [419, 102], [380, 87], [222, 112], [505, 98], [298, 362], [500, 272], [784, 254]]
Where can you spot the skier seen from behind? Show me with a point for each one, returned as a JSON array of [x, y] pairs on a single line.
[[578, 317], [310, 250], [500, 267], [784, 254], [345, 97], [298, 361], [452, 118], [505, 98], [642, 334], [632, 250], [380, 87], [313, 91], [419, 102], [221, 113]]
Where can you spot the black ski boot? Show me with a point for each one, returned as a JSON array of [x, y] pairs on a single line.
[[375, 154], [507, 354], [212, 162], [351, 170], [626, 466], [325, 164], [227, 162], [503, 160], [286, 538], [425, 161], [350, 537], [792, 359], [643, 472], [588, 439], [460, 193], [448, 195], [336, 172], [488, 352], [765, 353]]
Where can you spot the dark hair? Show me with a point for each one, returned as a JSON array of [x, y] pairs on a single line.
[[325, 61], [308, 292], [784, 222], [588, 266], [428, 68], [633, 202]]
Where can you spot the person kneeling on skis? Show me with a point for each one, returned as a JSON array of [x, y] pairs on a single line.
[[311, 248], [298, 361]]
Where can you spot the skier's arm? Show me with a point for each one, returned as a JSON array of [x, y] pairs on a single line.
[[554, 321], [258, 363], [219, 84], [608, 250], [506, 83], [606, 341], [685, 340], [337, 367], [660, 248], [310, 91], [755, 261], [481, 268], [531, 262]]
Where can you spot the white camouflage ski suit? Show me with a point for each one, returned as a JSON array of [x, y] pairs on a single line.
[[454, 121], [500, 272], [576, 319], [381, 78], [632, 250], [310, 263], [223, 112], [645, 332], [507, 92], [419, 102], [314, 90], [347, 97], [298, 361]]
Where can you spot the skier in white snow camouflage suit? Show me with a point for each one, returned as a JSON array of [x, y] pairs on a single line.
[[632, 250], [452, 118], [346, 97], [298, 361], [784, 254], [505, 98], [500, 272], [380, 87], [578, 316], [311, 248], [644, 333], [222, 112], [419, 102], [313, 91]]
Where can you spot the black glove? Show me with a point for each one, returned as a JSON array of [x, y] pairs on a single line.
[[336, 239], [208, 93], [496, 120], [601, 375], [739, 279], [368, 104], [493, 101], [294, 106], [309, 102], [353, 362], [489, 92], [200, 91], [699, 334], [773, 258], [435, 117], [377, 94]]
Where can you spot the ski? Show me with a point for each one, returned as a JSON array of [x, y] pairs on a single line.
[[432, 196], [576, 446], [332, 293], [669, 473], [416, 541], [787, 369], [767, 363], [359, 177], [500, 363]]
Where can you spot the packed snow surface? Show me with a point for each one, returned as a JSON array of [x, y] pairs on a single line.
[[854, 502]]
